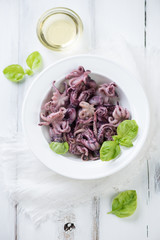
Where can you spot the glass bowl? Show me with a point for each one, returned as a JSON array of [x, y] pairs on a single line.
[[59, 28]]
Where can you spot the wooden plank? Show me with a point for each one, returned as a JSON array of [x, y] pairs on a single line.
[[130, 31], [154, 195], [8, 104], [153, 45], [122, 19], [28, 231], [134, 227], [28, 41], [8, 216], [96, 210], [9, 55], [153, 23], [81, 216], [115, 19], [84, 215], [75, 224]]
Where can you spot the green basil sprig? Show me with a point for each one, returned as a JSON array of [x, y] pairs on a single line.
[[109, 150], [60, 148], [124, 204], [16, 73], [34, 60], [126, 132]]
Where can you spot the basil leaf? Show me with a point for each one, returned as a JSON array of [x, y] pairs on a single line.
[[126, 142], [29, 72], [125, 204], [116, 138], [14, 73], [109, 150], [127, 129], [34, 60], [59, 148]]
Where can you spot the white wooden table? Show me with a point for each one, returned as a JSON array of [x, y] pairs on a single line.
[[138, 22]]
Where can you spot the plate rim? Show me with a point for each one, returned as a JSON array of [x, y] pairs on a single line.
[[84, 56]]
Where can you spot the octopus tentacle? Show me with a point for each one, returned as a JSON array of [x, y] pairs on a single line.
[[79, 131], [107, 91], [102, 114], [95, 131], [75, 73], [119, 114], [94, 155], [85, 95], [70, 115], [49, 106], [88, 139], [105, 131], [62, 127], [96, 100], [54, 136], [59, 99], [74, 94], [84, 151], [53, 117], [78, 77], [83, 123], [90, 83]]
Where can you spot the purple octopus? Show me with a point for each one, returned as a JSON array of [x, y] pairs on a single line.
[[84, 114]]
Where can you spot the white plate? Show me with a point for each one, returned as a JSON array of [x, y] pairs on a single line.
[[131, 96]]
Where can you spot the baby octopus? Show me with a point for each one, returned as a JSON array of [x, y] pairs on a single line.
[[119, 115], [77, 77], [52, 117], [84, 114], [87, 110]]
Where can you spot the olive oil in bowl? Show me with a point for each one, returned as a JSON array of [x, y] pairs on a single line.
[[59, 28]]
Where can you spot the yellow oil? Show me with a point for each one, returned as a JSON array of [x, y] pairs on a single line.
[[59, 29]]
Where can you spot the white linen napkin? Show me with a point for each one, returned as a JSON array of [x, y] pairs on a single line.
[[41, 193]]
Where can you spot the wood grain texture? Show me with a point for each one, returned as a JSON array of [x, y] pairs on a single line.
[[120, 18], [153, 23], [8, 103], [154, 196], [9, 55], [84, 221], [96, 210], [153, 43], [125, 18], [81, 217], [133, 227], [157, 177], [28, 43], [27, 230], [8, 216]]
